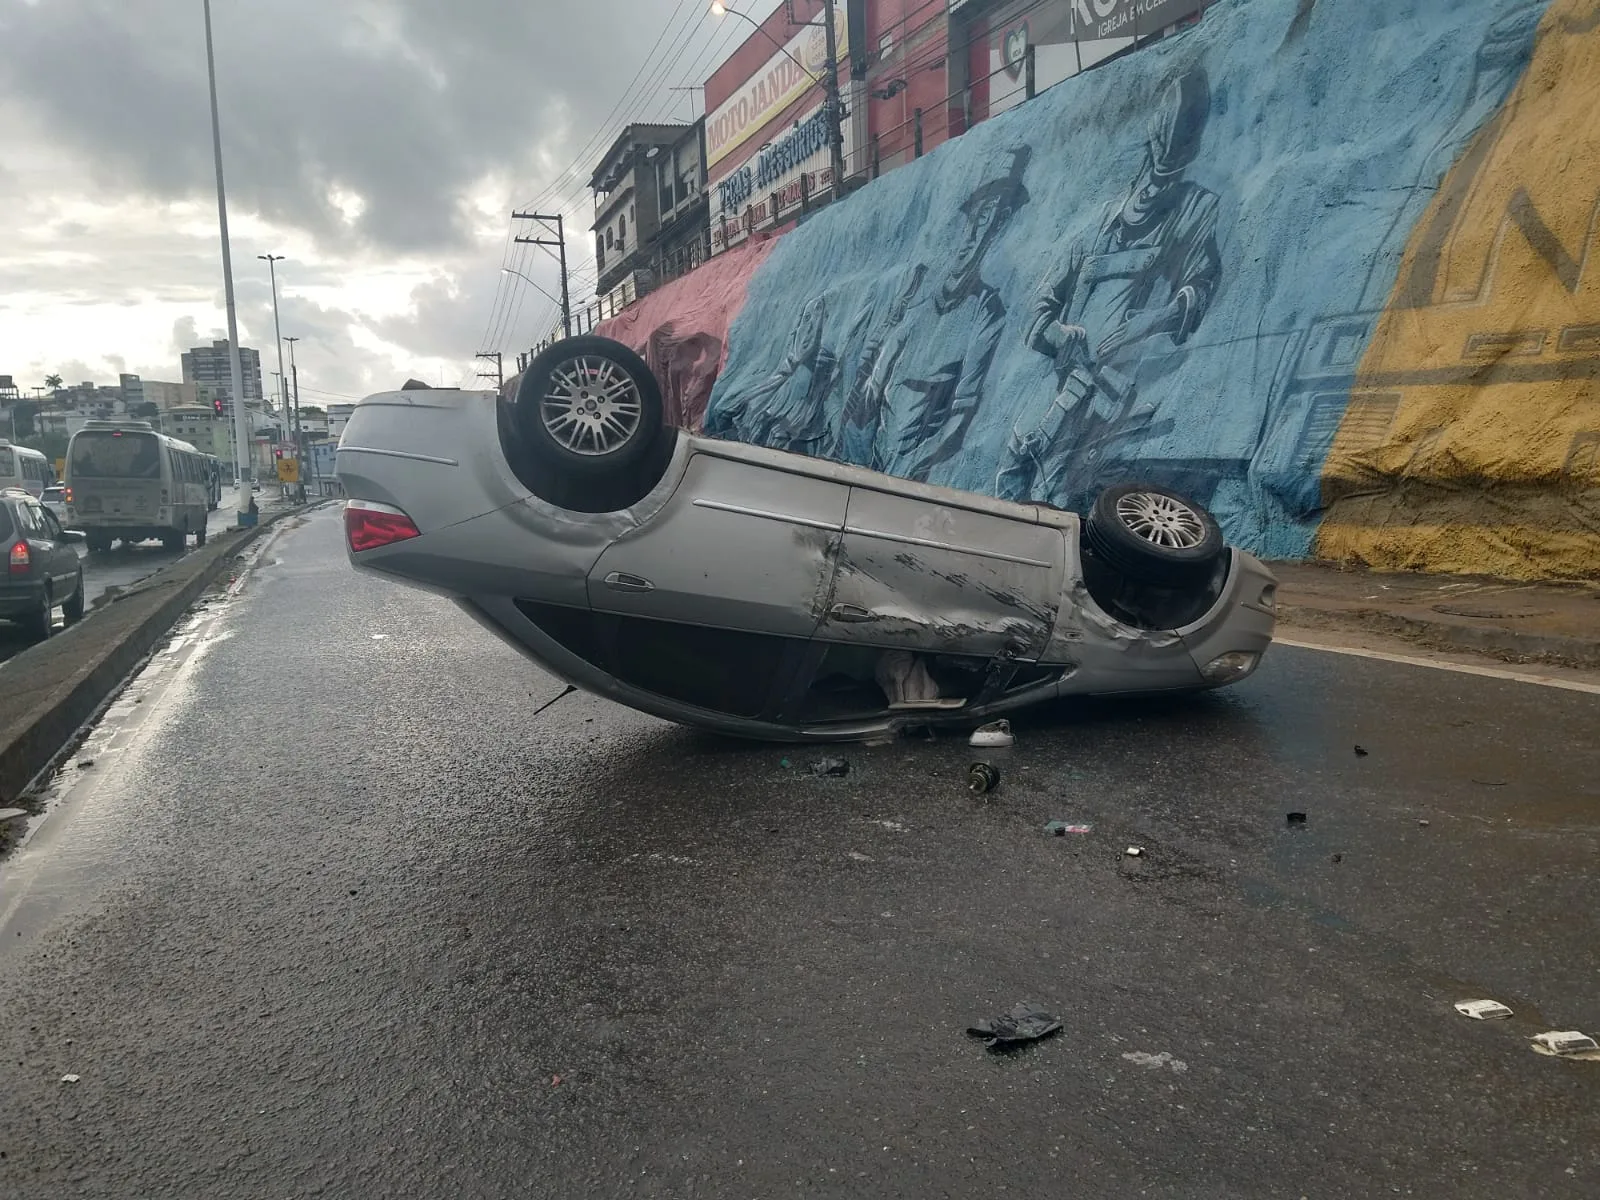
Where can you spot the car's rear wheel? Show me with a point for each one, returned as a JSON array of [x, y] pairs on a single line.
[[42, 620], [98, 542], [589, 408], [1154, 536]]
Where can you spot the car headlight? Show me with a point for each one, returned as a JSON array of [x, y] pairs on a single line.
[[1231, 667]]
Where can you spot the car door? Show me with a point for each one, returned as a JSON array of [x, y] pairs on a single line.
[[740, 546], [916, 574], [58, 553]]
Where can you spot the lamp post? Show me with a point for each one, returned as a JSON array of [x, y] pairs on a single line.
[[241, 424], [830, 79], [299, 434], [272, 261]]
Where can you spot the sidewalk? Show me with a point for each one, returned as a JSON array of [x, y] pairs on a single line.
[[1514, 622]]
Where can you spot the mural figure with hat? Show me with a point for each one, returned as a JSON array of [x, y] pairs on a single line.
[[1148, 269], [788, 410], [921, 377]]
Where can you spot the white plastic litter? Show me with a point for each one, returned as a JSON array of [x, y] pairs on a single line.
[[69, 1079], [1155, 1062], [1134, 851], [1483, 1010], [1567, 1044], [995, 735]]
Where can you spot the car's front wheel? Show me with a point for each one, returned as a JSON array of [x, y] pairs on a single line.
[[589, 408], [1154, 536], [72, 607]]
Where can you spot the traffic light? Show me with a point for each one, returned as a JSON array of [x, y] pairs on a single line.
[[217, 404], [278, 452]]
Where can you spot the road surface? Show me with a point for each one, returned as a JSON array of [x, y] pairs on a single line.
[[329, 913]]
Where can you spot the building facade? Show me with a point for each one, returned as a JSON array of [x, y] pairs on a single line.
[[202, 428], [628, 204], [210, 370], [167, 396]]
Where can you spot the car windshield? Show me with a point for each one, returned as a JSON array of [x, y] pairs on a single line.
[[116, 455]]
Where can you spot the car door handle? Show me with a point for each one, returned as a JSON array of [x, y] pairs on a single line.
[[623, 582], [852, 613]]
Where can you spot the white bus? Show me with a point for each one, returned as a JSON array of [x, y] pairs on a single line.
[[23, 468], [125, 480]]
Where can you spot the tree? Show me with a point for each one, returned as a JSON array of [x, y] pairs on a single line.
[[52, 382]]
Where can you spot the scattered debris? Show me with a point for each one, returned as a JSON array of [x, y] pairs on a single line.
[[995, 735], [1422, 823], [1567, 1044], [1061, 828], [1361, 751], [1483, 1010], [1026, 1022], [1490, 782], [85, 763], [785, 763], [982, 778], [570, 689], [69, 1079], [11, 814], [1134, 852], [892, 826], [1155, 1062], [833, 767], [857, 856], [1338, 858], [380, 637], [1297, 818], [555, 1081]]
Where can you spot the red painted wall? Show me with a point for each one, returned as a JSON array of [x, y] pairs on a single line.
[[920, 31], [682, 329]]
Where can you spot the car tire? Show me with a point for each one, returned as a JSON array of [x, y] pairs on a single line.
[[589, 408], [72, 607], [1154, 536], [98, 543], [200, 536], [42, 620]]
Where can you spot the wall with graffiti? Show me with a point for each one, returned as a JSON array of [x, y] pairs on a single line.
[[1321, 264]]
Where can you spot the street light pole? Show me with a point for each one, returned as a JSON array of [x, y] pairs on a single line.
[[272, 261], [299, 434], [241, 424]]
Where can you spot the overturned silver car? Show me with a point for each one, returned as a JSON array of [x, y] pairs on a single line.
[[770, 595]]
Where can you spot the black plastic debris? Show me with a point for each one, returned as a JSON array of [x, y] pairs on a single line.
[[1297, 818], [982, 777], [834, 767], [1361, 751], [1026, 1022]]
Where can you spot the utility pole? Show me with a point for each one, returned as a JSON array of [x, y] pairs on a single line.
[[241, 423], [299, 434], [560, 244], [835, 105], [499, 375]]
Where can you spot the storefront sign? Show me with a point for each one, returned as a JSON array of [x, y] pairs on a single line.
[[1093, 20], [779, 83], [777, 181]]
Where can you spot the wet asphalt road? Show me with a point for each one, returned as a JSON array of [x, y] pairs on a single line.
[[375, 932]]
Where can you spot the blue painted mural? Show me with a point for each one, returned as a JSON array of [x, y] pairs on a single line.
[[1166, 269]]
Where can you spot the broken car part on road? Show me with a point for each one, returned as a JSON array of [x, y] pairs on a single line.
[[767, 594], [1025, 1022]]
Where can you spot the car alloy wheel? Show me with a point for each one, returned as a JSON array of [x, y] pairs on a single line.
[[591, 406], [1161, 520]]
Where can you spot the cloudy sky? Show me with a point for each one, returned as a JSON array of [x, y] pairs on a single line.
[[379, 145]]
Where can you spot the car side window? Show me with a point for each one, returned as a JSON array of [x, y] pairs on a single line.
[[52, 527], [28, 521]]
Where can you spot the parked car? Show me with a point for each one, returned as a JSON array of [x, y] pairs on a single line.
[[43, 565], [54, 498], [767, 594]]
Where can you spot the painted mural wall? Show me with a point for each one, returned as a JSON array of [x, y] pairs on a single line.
[[1324, 265]]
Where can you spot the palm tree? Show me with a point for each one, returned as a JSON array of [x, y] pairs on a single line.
[[52, 382]]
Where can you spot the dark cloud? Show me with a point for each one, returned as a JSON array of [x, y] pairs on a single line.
[[406, 103]]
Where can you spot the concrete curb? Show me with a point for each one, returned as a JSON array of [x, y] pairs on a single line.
[[53, 688], [1508, 645]]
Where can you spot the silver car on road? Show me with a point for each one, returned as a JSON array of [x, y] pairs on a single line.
[[770, 595]]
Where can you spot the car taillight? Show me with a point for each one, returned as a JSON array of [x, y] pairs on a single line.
[[369, 525], [21, 560], [67, 495]]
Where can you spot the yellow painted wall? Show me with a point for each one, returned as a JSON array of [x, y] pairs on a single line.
[[1472, 439]]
